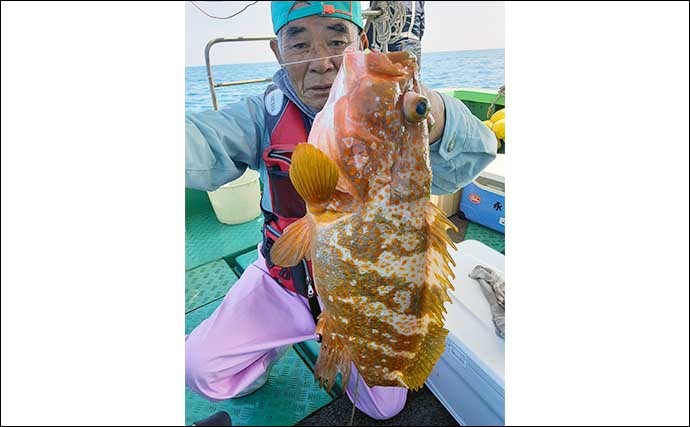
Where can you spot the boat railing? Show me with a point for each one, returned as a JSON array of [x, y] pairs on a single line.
[[207, 56]]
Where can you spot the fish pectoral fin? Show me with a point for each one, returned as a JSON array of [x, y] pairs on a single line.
[[295, 243], [313, 175]]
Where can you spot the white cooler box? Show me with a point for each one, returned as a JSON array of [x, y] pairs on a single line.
[[469, 379]]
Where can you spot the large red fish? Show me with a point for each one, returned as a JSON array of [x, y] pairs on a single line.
[[378, 246]]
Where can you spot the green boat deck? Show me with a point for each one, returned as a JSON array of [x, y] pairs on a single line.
[[216, 254]]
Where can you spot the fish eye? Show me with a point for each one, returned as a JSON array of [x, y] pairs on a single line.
[[421, 108], [415, 107]]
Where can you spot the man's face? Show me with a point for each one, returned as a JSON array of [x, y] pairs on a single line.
[[310, 38]]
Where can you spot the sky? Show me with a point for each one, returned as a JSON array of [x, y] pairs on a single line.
[[458, 25]]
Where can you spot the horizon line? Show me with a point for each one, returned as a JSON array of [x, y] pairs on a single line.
[[423, 52]]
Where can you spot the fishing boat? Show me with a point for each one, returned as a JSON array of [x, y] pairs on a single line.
[[466, 387]]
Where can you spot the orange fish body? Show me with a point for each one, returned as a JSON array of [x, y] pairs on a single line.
[[376, 242]]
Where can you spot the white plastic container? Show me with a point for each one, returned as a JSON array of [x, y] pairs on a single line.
[[237, 201], [469, 379]]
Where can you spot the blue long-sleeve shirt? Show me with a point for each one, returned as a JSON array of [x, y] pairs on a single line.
[[220, 145]]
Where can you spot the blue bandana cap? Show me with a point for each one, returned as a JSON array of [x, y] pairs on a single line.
[[281, 12]]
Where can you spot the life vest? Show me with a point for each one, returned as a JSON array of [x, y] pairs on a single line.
[[286, 128]]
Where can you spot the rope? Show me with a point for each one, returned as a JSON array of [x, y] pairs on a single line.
[[388, 25], [492, 107], [223, 17]]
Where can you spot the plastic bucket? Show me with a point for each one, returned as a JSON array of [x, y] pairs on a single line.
[[237, 201]]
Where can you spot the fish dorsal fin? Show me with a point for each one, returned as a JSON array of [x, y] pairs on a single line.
[[439, 264], [438, 281]]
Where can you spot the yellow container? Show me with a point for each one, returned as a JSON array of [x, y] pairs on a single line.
[[237, 201]]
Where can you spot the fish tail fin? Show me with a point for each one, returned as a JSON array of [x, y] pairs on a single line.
[[333, 357]]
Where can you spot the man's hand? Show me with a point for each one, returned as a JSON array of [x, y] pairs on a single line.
[[438, 111]]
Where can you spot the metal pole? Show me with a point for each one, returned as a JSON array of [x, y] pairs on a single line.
[[243, 82], [207, 57], [371, 12]]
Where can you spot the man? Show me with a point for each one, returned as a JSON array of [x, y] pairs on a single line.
[[269, 308]]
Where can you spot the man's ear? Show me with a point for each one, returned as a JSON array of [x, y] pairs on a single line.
[[276, 50]]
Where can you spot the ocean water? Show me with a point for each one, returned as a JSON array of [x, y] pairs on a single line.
[[482, 69]]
